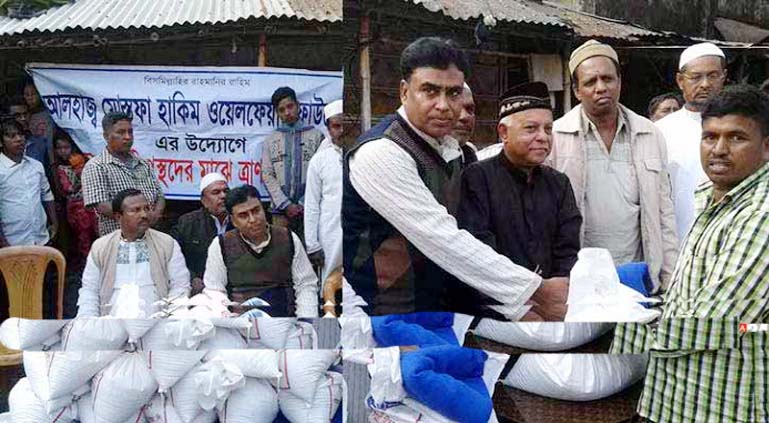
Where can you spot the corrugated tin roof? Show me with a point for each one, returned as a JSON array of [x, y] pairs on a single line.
[[741, 32], [123, 14], [539, 13]]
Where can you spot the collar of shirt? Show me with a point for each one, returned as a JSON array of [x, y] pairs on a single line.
[[6, 161], [221, 227], [588, 125], [139, 239], [688, 114], [517, 173], [257, 247], [447, 146], [704, 194], [130, 163]]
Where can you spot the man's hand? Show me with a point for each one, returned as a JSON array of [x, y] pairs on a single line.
[[293, 211], [317, 259], [550, 299], [197, 286]]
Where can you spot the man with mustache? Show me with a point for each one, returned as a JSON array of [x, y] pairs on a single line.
[[701, 368], [615, 160], [260, 260], [118, 168], [522, 209], [701, 75], [402, 246], [195, 230], [134, 254]]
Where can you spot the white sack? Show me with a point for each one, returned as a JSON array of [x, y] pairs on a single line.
[[269, 332], [26, 407], [214, 380], [86, 415], [576, 377], [20, 334], [304, 337], [184, 395], [122, 389], [169, 366], [303, 370], [177, 334], [93, 333], [252, 363], [541, 336], [256, 401], [356, 332], [136, 328], [323, 407]]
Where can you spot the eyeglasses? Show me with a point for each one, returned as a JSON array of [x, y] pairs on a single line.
[[696, 78]]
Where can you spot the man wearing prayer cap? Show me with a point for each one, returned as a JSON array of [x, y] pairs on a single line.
[[522, 209], [401, 243], [701, 75], [323, 197], [195, 230], [615, 160]]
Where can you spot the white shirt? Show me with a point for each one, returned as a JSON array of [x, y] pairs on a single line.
[[221, 227], [23, 189], [323, 207], [683, 132], [489, 151], [133, 267], [305, 281], [386, 178]]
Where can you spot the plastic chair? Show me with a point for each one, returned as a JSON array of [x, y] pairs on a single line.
[[23, 268], [332, 285]]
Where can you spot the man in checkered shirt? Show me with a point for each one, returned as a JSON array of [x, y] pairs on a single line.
[[118, 168]]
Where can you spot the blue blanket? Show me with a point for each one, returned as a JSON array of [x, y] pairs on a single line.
[[421, 329], [448, 379]]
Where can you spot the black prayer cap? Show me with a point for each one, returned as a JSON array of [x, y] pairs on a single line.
[[531, 95]]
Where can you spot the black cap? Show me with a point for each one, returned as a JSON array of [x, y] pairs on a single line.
[[531, 95]]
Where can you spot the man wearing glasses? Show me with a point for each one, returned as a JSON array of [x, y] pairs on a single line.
[[701, 75]]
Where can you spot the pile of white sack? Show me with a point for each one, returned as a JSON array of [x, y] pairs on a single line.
[[173, 333], [233, 386]]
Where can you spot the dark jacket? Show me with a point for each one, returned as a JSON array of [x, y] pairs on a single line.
[[194, 232], [533, 220]]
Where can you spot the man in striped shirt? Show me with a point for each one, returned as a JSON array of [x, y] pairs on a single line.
[[701, 368]]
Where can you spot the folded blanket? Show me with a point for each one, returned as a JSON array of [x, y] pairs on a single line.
[[636, 276], [448, 379], [422, 329]]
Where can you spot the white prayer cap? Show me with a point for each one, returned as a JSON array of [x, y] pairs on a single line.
[[699, 50], [332, 109], [467, 87], [209, 179]]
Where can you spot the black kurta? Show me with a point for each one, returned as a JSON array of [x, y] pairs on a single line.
[[531, 219]]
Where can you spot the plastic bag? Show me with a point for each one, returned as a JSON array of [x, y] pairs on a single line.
[[541, 336]]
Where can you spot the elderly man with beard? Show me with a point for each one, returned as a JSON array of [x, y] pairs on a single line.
[[260, 260], [701, 75], [134, 255], [522, 209], [615, 161], [401, 244], [195, 230]]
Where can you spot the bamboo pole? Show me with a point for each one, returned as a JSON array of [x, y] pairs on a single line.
[[365, 73]]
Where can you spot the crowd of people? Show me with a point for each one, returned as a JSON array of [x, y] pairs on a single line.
[[111, 201]]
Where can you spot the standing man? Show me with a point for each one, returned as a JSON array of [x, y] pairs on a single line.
[[522, 209], [401, 244], [701, 369], [663, 105], [118, 168], [701, 75], [195, 230], [465, 127], [36, 145], [286, 154], [615, 160], [26, 200], [261, 260], [323, 198], [133, 255]]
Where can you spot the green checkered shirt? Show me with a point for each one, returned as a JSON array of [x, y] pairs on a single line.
[[701, 368]]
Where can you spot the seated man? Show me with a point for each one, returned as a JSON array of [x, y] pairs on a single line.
[[524, 210], [195, 230], [259, 260], [132, 255]]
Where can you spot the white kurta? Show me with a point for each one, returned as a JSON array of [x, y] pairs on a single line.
[[132, 267], [683, 133], [323, 207]]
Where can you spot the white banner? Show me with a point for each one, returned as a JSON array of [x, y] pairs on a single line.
[[187, 120]]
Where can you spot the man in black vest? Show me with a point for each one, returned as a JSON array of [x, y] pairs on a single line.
[[260, 260], [195, 230], [401, 245]]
